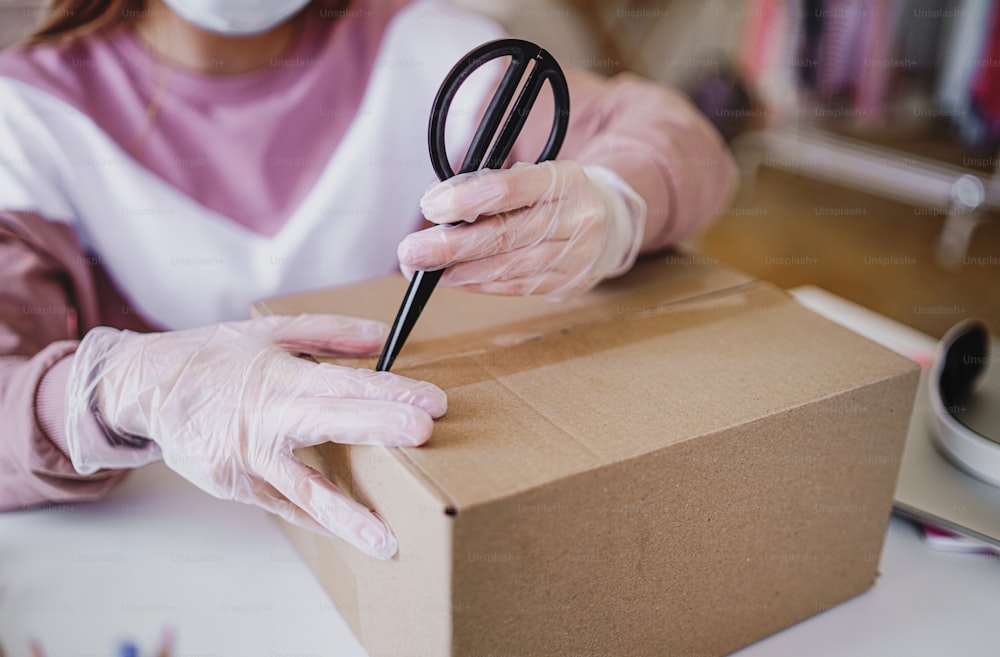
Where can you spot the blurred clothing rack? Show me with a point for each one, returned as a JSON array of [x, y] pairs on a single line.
[[891, 70], [879, 65]]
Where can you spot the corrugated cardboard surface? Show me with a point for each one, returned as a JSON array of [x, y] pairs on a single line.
[[388, 604], [697, 549], [683, 461]]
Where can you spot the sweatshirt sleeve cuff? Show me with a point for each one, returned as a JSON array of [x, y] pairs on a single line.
[[50, 409], [50, 403]]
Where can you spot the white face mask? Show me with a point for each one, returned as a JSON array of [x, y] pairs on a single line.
[[236, 17]]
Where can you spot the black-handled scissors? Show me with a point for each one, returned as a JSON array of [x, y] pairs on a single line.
[[521, 53]]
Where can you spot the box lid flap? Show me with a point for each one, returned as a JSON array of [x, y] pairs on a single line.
[[541, 391], [454, 312]]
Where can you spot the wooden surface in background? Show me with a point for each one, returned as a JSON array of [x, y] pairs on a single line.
[[793, 230]]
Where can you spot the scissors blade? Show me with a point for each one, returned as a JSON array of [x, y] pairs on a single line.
[[417, 294]]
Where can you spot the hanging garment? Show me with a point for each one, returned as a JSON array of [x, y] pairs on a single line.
[[986, 80], [879, 61], [963, 45], [840, 54]]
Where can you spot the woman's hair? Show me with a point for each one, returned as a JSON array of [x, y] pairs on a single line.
[[67, 19]]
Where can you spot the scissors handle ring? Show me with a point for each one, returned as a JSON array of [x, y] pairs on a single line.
[[521, 53]]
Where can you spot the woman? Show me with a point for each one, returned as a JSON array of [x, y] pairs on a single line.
[[167, 162]]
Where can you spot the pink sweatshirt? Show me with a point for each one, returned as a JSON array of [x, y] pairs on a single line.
[[237, 151]]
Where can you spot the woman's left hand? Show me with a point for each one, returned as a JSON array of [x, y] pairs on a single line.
[[555, 228]]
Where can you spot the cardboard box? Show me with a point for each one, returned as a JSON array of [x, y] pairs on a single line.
[[680, 463]]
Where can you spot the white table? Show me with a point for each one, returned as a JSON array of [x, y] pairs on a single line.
[[158, 553]]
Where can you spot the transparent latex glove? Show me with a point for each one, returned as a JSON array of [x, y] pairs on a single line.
[[555, 229], [225, 405]]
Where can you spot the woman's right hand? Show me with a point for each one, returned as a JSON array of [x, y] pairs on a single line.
[[225, 405]]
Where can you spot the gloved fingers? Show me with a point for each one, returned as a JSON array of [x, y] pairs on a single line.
[[566, 257], [441, 246], [325, 504], [328, 380], [325, 335], [275, 503], [311, 421], [487, 192], [554, 285]]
